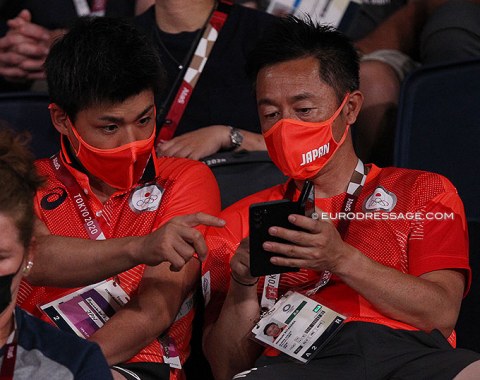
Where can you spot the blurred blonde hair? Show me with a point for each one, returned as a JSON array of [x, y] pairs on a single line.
[[18, 181]]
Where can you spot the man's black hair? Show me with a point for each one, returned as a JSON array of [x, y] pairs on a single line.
[[292, 38], [101, 60]]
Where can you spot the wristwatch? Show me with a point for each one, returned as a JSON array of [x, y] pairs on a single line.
[[236, 137]]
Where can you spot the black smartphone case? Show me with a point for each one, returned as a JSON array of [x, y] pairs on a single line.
[[262, 216]]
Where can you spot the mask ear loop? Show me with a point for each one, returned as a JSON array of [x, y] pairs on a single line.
[[50, 107], [344, 136], [335, 115]]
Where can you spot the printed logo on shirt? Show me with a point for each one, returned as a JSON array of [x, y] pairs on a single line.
[[381, 199], [146, 198], [54, 199]]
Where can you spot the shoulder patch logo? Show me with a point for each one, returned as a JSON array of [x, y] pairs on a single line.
[[381, 199], [146, 198], [53, 199]]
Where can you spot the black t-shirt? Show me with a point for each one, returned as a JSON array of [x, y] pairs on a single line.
[[223, 94]]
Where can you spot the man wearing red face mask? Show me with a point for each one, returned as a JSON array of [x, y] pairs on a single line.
[[119, 231], [384, 256]]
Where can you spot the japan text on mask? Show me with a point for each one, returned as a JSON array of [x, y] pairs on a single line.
[[301, 149]]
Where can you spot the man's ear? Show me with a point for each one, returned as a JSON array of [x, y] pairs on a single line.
[[59, 118], [353, 106]]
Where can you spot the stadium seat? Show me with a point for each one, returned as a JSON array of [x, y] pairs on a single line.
[[438, 129], [243, 173], [438, 126], [468, 326], [29, 111]]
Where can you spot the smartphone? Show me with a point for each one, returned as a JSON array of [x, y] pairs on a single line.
[[264, 215]]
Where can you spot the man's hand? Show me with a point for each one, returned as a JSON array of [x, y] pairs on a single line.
[[197, 144], [177, 240], [240, 264], [320, 247], [24, 48]]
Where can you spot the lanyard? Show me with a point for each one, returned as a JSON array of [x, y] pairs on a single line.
[[355, 186], [192, 73], [90, 223], [83, 9], [10, 355]]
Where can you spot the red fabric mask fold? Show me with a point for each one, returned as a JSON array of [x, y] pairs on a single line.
[[119, 167]]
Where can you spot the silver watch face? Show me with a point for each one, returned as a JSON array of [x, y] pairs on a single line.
[[236, 137]]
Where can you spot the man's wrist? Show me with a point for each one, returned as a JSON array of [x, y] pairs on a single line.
[[236, 138], [133, 247], [243, 283]]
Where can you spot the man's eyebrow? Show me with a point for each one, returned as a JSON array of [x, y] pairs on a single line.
[[265, 102], [145, 111], [114, 119], [292, 99], [302, 96]]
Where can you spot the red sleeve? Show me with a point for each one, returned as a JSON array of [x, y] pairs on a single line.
[[195, 190], [440, 239], [222, 244]]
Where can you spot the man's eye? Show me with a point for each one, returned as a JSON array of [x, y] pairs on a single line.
[[304, 111], [271, 115], [145, 120], [110, 128]]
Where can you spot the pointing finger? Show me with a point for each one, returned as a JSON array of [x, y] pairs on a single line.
[[193, 220]]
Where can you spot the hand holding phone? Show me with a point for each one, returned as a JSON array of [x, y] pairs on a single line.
[[264, 215]]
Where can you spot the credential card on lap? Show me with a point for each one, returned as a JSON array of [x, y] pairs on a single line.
[[298, 326], [86, 310]]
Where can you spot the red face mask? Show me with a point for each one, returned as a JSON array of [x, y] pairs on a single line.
[[120, 167], [301, 149]]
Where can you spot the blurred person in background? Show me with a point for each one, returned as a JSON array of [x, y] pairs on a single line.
[[208, 105], [31, 348], [28, 28]]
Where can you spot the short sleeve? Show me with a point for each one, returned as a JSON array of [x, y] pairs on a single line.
[[222, 244], [439, 238]]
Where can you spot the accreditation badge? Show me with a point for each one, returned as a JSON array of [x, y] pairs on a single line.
[[170, 354], [87, 309], [297, 326]]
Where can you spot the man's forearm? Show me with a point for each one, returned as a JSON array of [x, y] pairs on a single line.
[[226, 343], [71, 262], [149, 313]]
